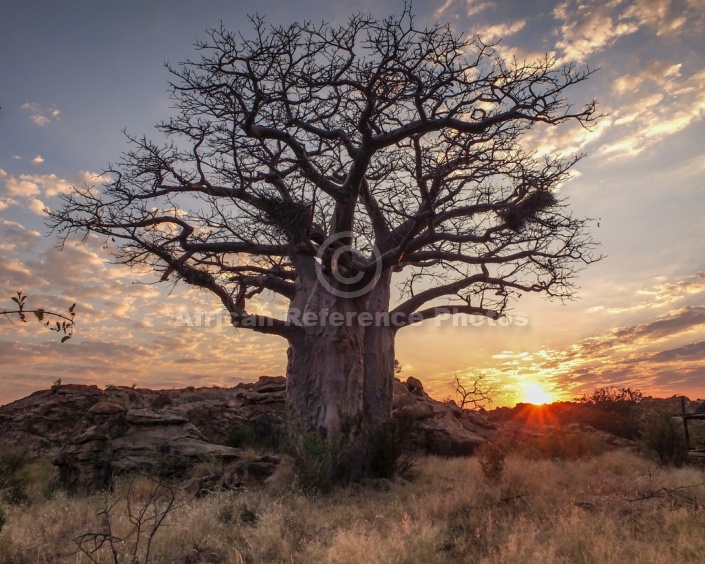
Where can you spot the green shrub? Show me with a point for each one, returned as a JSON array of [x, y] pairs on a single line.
[[662, 435], [316, 464]]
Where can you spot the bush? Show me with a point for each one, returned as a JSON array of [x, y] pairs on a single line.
[[24, 478], [664, 437], [12, 460], [610, 409], [316, 463], [493, 459], [160, 400], [264, 432], [320, 465], [391, 449]]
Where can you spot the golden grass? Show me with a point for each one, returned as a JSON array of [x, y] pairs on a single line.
[[541, 510]]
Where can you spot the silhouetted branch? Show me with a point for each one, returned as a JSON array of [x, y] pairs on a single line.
[[65, 325]]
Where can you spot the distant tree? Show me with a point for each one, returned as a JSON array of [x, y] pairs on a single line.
[[611, 397], [612, 409], [474, 392], [662, 434], [59, 322], [293, 144]]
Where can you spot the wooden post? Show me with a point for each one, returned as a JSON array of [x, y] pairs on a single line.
[[685, 423]]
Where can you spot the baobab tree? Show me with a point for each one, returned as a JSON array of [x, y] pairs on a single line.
[[321, 163]]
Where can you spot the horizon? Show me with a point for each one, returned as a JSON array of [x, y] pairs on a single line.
[[83, 73]]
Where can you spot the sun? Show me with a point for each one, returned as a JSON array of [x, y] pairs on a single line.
[[535, 393]]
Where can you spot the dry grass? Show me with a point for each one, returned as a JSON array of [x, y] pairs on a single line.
[[540, 510]]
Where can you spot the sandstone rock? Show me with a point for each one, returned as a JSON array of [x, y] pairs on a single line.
[[267, 384], [157, 443], [401, 395], [439, 428], [259, 397], [106, 408], [418, 410], [414, 385], [145, 417], [93, 434]]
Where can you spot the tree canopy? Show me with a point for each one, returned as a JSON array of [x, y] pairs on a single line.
[[319, 163], [410, 140]]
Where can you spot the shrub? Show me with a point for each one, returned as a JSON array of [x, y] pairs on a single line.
[[12, 460], [314, 461], [264, 432], [614, 410], [13, 477], [391, 449], [160, 400], [493, 459], [610, 396], [662, 435]]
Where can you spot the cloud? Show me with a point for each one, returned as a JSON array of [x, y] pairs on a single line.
[[22, 186], [673, 323], [661, 355], [474, 7], [494, 33], [41, 115], [588, 27], [15, 237], [37, 206], [654, 104], [656, 14], [38, 160], [447, 4], [691, 351], [658, 296], [25, 188], [126, 332]]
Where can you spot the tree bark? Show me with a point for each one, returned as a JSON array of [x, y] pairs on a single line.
[[325, 372], [340, 375], [379, 360]]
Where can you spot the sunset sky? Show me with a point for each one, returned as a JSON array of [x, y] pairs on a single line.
[[74, 74]]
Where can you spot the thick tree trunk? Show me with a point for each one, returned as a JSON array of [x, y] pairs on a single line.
[[325, 372], [379, 360], [340, 375]]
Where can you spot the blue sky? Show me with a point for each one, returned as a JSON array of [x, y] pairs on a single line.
[[76, 73]]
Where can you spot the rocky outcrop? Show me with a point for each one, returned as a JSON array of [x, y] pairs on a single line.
[[439, 427], [92, 434], [135, 439]]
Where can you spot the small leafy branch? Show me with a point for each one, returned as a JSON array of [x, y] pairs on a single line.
[[59, 322]]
